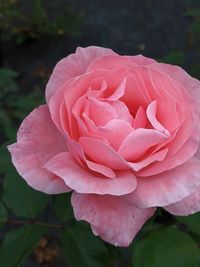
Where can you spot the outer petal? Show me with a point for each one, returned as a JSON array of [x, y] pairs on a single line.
[[83, 180], [168, 187], [112, 218], [72, 66], [191, 84], [38, 140], [188, 205], [141, 60]]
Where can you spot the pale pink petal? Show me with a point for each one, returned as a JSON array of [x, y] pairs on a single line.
[[167, 95], [57, 106], [78, 88], [102, 153], [187, 206], [112, 218], [118, 92], [136, 93], [184, 132], [85, 125], [77, 152], [117, 61], [151, 115], [104, 170], [122, 111], [191, 84], [115, 131], [156, 157], [38, 140], [68, 94], [82, 180], [141, 60], [72, 66], [139, 142], [100, 112], [167, 187], [110, 62], [188, 149], [140, 118]]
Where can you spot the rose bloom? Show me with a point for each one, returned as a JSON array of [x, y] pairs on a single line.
[[121, 133]]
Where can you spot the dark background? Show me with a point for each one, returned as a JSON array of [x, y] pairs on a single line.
[[155, 28], [35, 34]]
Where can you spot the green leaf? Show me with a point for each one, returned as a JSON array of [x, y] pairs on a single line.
[[193, 12], [82, 248], [62, 207], [21, 198], [174, 57], [7, 82], [166, 247], [5, 159], [3, 214], [192, 221], [19, 243]]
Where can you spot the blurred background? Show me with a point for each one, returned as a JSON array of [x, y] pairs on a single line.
[[34, 36]]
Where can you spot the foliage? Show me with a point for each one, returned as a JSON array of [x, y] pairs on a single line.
[[20, 22]]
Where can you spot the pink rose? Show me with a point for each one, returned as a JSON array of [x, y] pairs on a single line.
[[122, 133]]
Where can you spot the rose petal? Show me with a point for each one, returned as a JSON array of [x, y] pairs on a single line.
[[187, 206], [104, 170], [102, 153], [38, 140], [188, 149], [167, 95], [119, 92], [83, 180], [111, 62], [136, 93], [115, 131], [100, 112], [151, 115], [141, 60], [112, 218], [158, 156], [77, 152], [167, 187], [72, 66], [122, 111], [140, 118], [139, 142], [191, 84]]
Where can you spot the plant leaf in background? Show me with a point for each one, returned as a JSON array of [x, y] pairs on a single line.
[[19, 243], [7, 82], [82, 248], [166, 247], [192, 222], [17, 195], [62, 207], [21, 198]]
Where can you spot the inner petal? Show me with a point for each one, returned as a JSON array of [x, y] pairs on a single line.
[[115, 132], [151, 114], [137, 143], [102, 153], [100, 112], [122, 112], [140, 118]]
